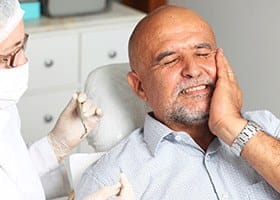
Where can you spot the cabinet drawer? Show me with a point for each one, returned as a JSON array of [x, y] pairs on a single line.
[[39, 113], [53, 60], [104, 46]]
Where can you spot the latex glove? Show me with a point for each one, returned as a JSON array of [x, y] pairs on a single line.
[[78, 118], [105, 192], [122, 190], [126, 192]]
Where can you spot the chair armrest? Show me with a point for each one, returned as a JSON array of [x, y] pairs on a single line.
[[77, 163]]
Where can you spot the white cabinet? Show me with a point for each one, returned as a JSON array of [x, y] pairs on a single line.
[[108, 44], [39, 113], [62, 51], [54, 60]]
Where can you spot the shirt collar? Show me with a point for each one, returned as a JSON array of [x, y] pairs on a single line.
[[154, 132]]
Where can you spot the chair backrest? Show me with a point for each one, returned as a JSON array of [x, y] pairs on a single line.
[[122, 110]]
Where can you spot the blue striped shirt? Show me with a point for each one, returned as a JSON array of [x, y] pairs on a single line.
[[162, 164]]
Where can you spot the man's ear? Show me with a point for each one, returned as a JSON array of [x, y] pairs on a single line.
[[136, 85]]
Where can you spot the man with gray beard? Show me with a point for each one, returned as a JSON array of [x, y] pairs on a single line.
[[195, 144]]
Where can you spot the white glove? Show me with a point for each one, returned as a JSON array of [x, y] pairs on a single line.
[[122, 190], [126, 192], [78, 118], [105, 192]]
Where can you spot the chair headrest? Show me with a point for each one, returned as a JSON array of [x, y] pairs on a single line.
[[122, 110]]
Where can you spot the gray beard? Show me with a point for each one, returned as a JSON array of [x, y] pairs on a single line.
[[184, 115]]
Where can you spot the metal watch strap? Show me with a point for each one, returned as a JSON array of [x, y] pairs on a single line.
[[250, 129]]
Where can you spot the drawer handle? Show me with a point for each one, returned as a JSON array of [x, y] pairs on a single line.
[[48, 118], [49, 63], [112, 54]]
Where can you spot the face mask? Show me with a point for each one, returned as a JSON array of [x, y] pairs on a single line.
[[13, 83]]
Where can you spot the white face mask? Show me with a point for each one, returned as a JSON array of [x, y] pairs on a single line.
[[13, 83]]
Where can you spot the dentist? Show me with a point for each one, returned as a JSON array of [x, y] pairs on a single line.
[[20, 168]]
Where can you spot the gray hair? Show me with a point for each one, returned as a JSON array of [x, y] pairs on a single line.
[[10, 16]]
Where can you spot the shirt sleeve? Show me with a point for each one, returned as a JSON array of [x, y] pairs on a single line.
[[105, 172], [43, 156], [268, 121], [8, 189], [53, 176], [88, 184]]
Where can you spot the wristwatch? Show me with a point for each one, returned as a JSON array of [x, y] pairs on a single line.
[[250, 129]]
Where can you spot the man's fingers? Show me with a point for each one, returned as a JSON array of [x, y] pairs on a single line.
[[224, 69]]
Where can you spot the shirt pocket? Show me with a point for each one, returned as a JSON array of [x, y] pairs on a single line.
[[261, 191]]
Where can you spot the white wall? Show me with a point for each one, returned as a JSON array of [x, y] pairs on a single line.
[[249, 33]]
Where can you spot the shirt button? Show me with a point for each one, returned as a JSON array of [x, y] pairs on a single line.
[[178, 138]]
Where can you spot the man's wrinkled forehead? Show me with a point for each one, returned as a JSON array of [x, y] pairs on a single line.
[[164, 23], [169, 18]]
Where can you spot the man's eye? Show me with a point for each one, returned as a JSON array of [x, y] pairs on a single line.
[[203, 54], [170, 61]]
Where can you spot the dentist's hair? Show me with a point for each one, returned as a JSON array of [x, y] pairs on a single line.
[[10, 15]]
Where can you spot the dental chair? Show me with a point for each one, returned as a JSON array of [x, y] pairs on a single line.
[[122, 111]]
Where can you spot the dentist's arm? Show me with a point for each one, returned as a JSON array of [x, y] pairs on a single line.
[[47, 152]]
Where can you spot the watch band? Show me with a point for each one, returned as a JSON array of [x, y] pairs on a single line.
[[250, 129]]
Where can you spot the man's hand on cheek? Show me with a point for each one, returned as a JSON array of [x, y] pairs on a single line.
[[225, 120]]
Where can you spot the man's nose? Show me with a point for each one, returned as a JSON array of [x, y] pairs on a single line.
[[191, 68]]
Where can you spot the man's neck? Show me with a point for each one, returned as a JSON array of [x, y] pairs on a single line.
[[200, 133]]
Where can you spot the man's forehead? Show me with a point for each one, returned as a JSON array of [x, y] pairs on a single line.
[[166, 24], [179, 36], [172, 14], [174, 20]]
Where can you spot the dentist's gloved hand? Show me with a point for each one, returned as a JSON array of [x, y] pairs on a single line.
[[78, 118], [105, 192], [126, 192], [122, 190]]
